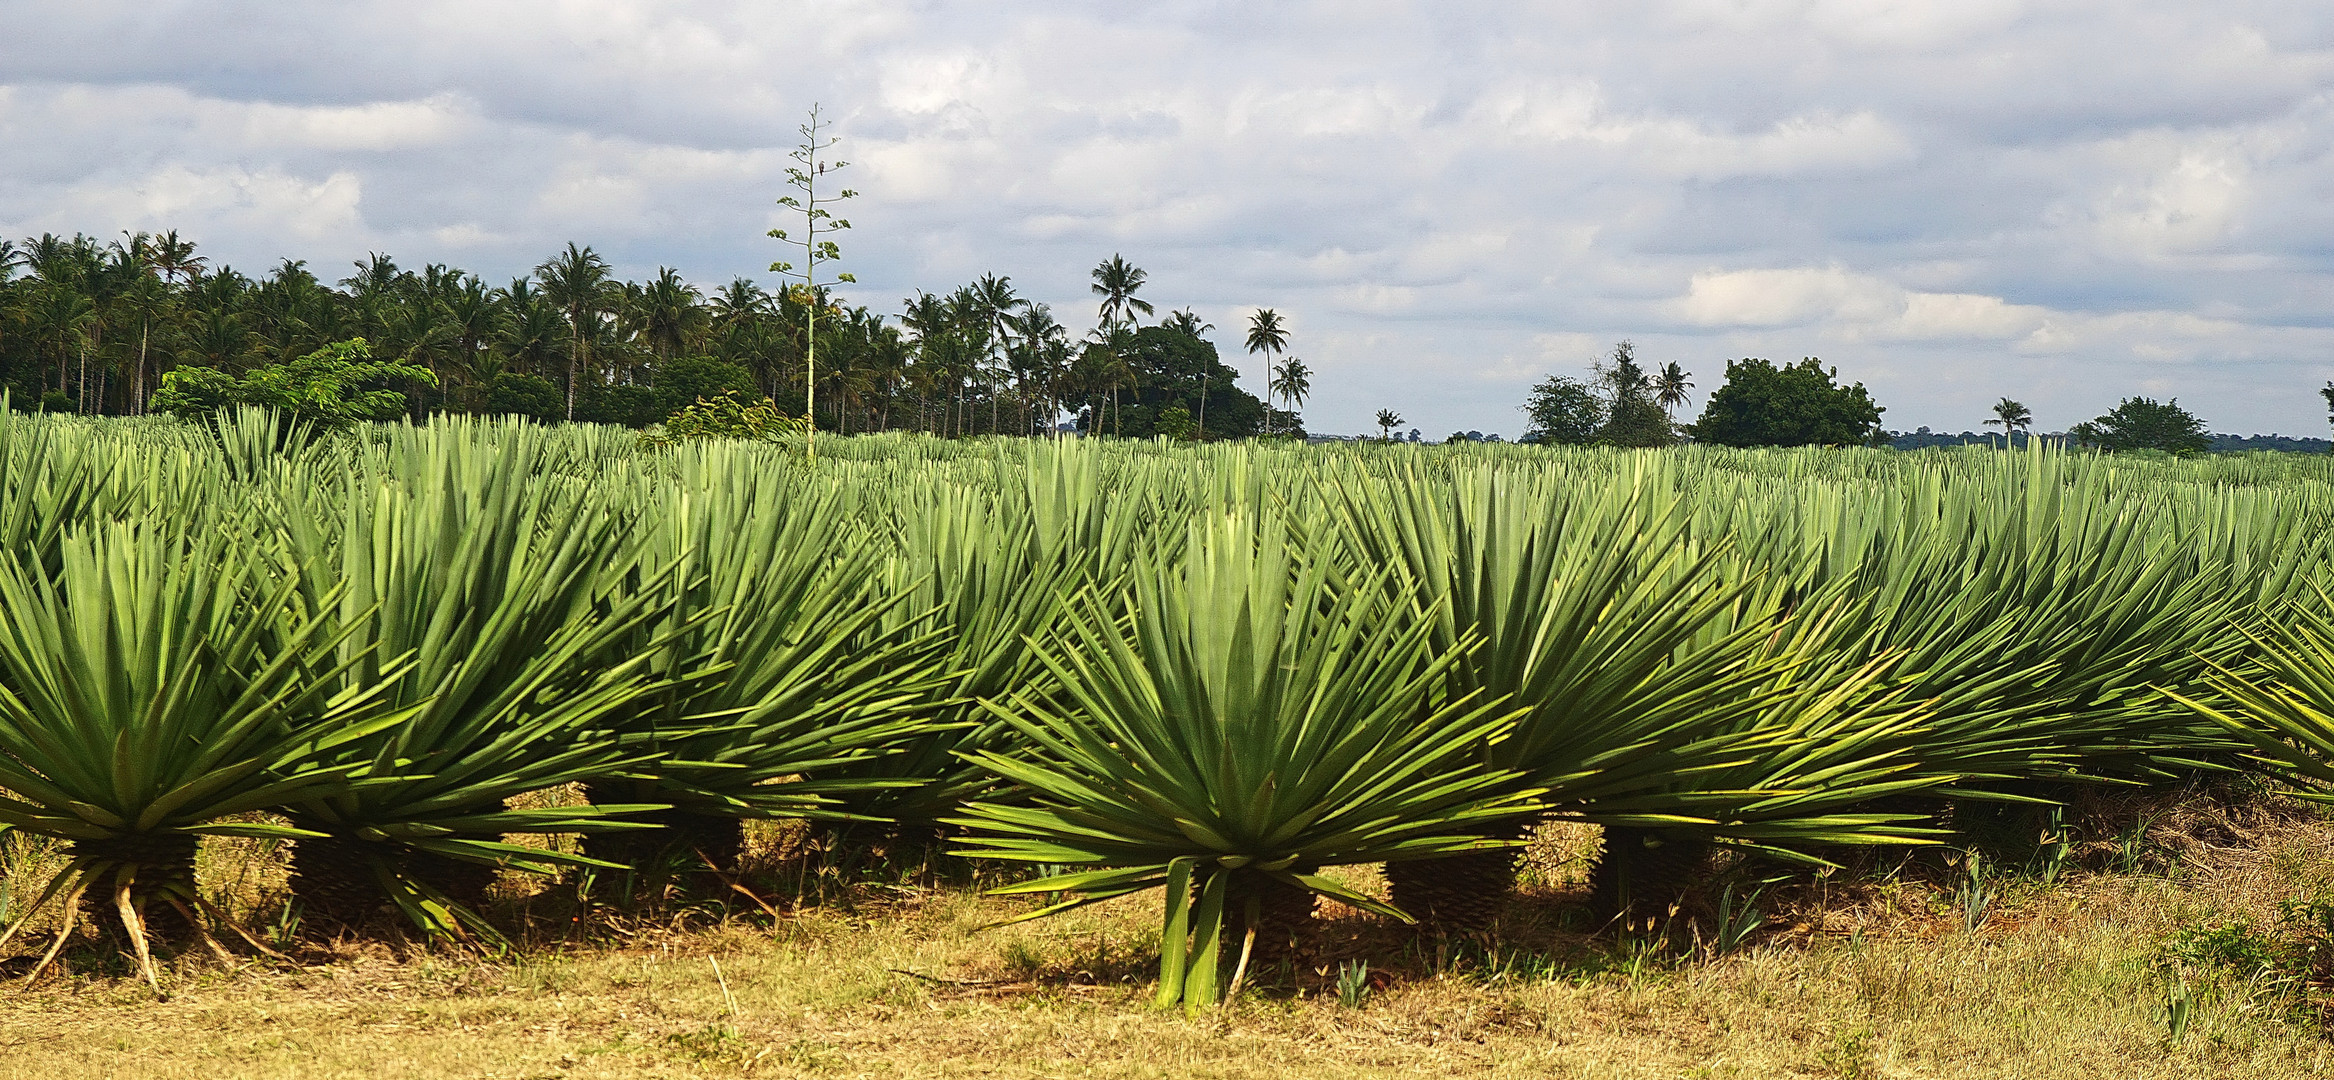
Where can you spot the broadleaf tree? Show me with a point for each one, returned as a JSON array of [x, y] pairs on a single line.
[[2138, 423], [1802, 404]]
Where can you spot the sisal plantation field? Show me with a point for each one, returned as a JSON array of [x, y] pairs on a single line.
[[485, 748]]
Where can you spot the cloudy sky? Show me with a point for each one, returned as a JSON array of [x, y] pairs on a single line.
[[1950, 200]]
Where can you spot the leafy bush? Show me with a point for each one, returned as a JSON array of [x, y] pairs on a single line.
[[1563, 411], [513, 394], [627, 406], [338, 384], [725, 417], [691, 378], [1175, 423]]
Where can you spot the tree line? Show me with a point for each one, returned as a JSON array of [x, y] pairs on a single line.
[[98, 327], [1762, 403]]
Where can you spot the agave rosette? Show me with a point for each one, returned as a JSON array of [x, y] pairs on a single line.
[[1233, 724]]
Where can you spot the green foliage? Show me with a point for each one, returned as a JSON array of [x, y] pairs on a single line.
[[502, 602], [156, 689], [1563, 411], [2139, 423], [1800, 404], [1173, 370], [1636, 420], [1632, 408], [725, 417], [1253, 723], [1175, 423], [694, 378], [632, 405], [338, 384], [819, 675], [1639, 664], [531, 396], [1150, 664], [1353, 983], [2292, 958]]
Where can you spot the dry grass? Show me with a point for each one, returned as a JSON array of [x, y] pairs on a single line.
[[1876, 979]]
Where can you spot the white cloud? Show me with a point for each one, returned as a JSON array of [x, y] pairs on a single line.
[[380, 126], [1953, 199], [303, 208], [1578, 118]]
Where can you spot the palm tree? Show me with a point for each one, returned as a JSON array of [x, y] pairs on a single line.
[[668, 313], [1293, 381], [579, 282], [927, 318], [216, 338], [9, 258], [375, 278], [1267, 335], [58, 315], [146, 303], [737, 302], [1186, 321], [530, 332], [1041, 351], [1116, 282], [2011, 416], [1106, 353], [1669, 389], [967, 353], [174, 257], [298, 313], [995, 303], [1388, 420]]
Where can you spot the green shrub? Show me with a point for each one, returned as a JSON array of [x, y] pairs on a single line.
[[338, 384], [725, 417]]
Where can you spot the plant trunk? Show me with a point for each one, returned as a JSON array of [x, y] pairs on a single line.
[[574, 364], [462, 881], [687, 840], [1644, 873], [1284, 912], [164, 864], [1461, 894], [334, 886]]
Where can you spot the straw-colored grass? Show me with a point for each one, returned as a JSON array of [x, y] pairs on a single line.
[[1869, 980]]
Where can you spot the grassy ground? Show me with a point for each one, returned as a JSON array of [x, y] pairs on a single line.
[[1885, 978]]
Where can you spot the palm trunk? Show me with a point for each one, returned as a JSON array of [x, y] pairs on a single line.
[[138, 387], [574, 364]]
